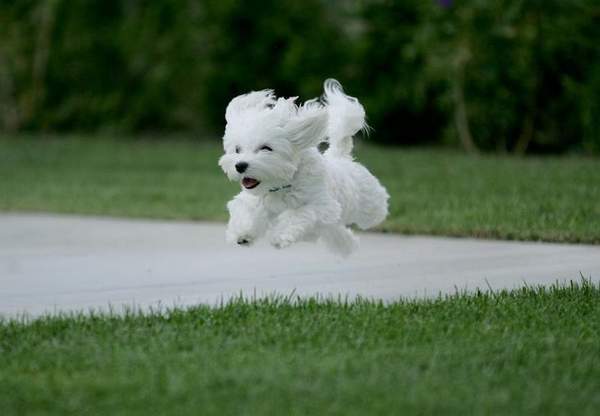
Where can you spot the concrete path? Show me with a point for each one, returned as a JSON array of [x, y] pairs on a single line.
[[52, 263]]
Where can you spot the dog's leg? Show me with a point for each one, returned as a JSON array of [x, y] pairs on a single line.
[[293, 225], [247, 219], [339, 239]]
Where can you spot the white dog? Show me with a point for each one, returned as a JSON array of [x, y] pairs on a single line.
[[290, 190]]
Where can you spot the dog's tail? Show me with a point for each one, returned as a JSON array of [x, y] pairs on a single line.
[[346, 118]]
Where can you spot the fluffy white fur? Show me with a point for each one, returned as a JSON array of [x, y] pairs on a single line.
[[291, 191]]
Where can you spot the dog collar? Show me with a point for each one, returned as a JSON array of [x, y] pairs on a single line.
[[278, 188]]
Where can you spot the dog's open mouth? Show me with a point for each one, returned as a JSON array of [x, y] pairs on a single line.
[[250, 183]]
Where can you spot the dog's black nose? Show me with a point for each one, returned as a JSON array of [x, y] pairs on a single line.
[[241, 167]]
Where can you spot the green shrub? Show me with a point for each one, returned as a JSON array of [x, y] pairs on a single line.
[[286, 45], [509, 76], [400, 99], [165, 65]]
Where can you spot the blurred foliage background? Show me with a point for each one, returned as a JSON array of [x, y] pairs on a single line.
[[507, 76]]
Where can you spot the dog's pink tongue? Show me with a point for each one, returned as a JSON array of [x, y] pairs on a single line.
[[249, 182]]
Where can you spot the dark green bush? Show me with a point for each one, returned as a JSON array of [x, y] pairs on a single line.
[[286, 45], [401, 100], [513, 75], [88, 64], [517, 73], [165, 65]]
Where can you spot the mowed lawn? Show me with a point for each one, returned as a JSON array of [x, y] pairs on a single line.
[[529, 351], [432, 191], [532, 351]]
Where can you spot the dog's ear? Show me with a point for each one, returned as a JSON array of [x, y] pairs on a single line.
[[308, 127], [255, 100]]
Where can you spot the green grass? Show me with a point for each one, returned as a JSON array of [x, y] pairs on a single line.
[[531, 351], [433, 191]]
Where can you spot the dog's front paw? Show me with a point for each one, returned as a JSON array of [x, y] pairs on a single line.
[[242, 239], [282, 240], [245, 240]]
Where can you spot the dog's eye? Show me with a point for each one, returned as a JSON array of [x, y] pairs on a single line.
[[266, 148], [238, 149]]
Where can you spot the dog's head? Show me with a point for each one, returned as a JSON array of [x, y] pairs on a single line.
[[264, 137]]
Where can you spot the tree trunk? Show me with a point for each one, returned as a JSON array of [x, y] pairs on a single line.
[[41, 54], [461, 118]]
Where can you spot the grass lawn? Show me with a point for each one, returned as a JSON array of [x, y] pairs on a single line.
[[433, 191], [532, 351]]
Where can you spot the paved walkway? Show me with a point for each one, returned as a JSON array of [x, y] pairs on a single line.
[[54, 263]]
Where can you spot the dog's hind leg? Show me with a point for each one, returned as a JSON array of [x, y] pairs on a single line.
[[339, 239]]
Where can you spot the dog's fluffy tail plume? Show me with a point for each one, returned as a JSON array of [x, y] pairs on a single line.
[[346, 118]]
